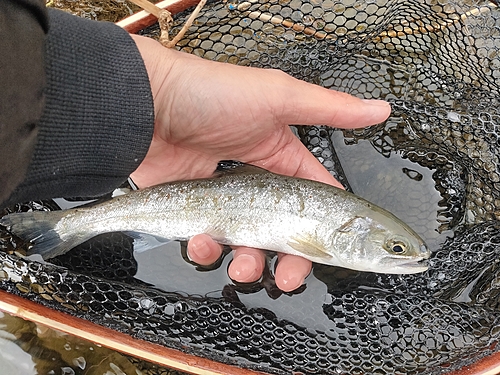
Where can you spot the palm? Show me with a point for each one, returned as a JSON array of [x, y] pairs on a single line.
[[206, 112], [221, 116]]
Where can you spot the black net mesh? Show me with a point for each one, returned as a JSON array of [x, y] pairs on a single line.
[[375, 323], [438, 63]]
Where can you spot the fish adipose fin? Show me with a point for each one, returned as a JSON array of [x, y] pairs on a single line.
[[309, 246], [236, 167], [38, 228]]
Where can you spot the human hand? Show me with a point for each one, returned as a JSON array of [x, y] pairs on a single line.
[[207, 111]]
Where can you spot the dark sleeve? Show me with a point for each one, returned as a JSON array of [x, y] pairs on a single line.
[[23, 25], [98, 118]]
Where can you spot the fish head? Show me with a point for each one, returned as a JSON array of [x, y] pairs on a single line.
[[380, 242]]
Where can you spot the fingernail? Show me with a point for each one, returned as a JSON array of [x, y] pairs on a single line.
[[292, 283], [376, 102], [202, 252], [245, 268]]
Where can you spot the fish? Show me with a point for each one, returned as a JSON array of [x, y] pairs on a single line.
[[241, 205]]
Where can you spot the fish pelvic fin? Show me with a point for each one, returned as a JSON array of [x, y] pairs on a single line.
[[144, 242], [308, 245], [38, 228]]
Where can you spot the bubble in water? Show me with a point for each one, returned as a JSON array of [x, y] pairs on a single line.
[[80, 362], [67, 371], [117, 370], [169, 309], [453, 116], [146, 303]]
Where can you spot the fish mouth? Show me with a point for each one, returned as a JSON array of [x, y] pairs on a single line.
[[398, 265], [421, 263]]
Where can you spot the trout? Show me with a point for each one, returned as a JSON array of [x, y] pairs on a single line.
[[241, 205]]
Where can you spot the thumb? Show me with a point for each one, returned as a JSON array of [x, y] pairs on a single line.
[[309, 104]]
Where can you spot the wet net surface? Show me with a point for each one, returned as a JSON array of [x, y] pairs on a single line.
[[438, 63], [374, 324], [439, 320]]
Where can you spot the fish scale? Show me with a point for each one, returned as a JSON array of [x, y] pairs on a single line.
[[244, 206]]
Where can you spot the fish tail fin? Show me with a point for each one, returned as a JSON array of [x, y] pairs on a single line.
[[39, 229]]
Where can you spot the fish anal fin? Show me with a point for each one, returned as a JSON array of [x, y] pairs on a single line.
[[144, 241], [308, 245]]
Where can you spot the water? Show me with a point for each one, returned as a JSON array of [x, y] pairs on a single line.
[[165, 268], [28, 349]]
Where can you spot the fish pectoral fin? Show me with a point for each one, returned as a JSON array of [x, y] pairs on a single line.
[[308, 245], [357, 225], [235, 167]]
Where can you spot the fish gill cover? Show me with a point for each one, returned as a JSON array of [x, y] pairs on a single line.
[[438, 63]]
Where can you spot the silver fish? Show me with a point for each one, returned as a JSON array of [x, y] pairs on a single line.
[[247, 206]]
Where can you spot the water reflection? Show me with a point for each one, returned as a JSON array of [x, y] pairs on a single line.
[[402, 186], [164, 268], [28, 349]]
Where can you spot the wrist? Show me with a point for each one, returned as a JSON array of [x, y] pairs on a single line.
[[158, 61]]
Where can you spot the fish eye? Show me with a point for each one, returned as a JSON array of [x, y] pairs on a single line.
[[398, 248]]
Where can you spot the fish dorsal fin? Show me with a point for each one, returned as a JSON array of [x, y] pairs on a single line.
[[308, 245], [236, 167]]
